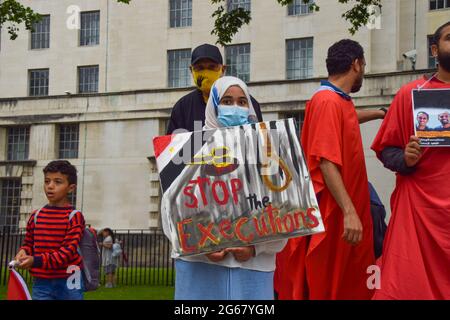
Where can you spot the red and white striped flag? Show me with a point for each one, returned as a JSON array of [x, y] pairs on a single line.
[[17, 288]]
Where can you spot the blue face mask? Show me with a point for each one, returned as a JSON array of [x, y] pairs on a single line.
[[229, 116]]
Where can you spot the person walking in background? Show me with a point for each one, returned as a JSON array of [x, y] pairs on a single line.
[[109, 268]]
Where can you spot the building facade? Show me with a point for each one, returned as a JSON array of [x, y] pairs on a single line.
[[96, 80]]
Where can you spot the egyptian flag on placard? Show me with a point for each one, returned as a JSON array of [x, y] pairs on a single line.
[[17, 288], [166, 148]]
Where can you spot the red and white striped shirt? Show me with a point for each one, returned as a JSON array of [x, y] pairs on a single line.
[[53, 241]]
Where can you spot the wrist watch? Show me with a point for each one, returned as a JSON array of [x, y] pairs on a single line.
[[384, 110]]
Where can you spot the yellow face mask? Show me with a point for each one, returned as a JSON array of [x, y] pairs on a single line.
[[204, 79]]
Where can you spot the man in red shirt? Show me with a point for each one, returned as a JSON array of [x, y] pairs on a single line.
[[333, 264], [416, 252]]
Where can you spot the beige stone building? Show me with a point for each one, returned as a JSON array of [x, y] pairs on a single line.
[[96, 80]]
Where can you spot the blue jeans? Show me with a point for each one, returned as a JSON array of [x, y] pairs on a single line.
[[55, 289]]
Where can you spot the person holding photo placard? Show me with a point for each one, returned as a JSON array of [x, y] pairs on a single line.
[[416, 258]]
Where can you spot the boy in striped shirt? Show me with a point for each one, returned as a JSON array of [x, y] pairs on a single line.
[[50, 249]]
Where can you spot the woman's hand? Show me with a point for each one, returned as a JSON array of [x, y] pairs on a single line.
[[217, 256], [242, 254]]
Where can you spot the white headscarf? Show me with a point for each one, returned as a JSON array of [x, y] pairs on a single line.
[[217, 91]]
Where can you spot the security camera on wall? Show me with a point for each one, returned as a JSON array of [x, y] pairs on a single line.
[[411, 56]]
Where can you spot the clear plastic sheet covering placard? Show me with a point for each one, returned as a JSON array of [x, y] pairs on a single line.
[[235, 186]]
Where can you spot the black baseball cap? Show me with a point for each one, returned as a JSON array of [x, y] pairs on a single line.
[[206, 51]]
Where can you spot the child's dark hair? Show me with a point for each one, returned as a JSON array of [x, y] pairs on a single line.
[[110, 233], [342, 54], [63, 167], [438, 34]]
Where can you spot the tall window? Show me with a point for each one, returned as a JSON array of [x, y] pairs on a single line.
[[439, 4], [38, 82], [180, 13], [234, 4], [432, 61], [179, 75], [88, 79], [10, 203], [238, 61], [18, 143], [298, 7], [40, 36], [90, 28], [68, 141], [299, 58]]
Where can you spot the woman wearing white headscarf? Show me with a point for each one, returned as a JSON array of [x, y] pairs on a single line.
[[244, 273]]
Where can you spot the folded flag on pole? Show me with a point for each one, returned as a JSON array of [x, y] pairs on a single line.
[[17, 288]]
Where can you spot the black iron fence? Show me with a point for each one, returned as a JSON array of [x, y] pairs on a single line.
[[145, 260]]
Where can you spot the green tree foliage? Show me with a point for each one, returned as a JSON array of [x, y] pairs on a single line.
[[226, 22], [14, 13]]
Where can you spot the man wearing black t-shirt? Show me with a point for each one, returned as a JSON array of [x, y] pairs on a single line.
[[206, 67]]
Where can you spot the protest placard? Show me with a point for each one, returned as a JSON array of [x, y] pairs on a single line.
[[431, 109], [235, 186]]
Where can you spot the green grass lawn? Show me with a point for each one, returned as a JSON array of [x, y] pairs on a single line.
[[141, 276], [122, 293], [131, 293], [127, 276], [133, 284]]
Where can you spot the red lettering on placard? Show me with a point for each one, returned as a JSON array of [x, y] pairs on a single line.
[[236, 186], [184, 236], [207, 234], [188, 192], [224, 226], [239, 233], [224, 188]]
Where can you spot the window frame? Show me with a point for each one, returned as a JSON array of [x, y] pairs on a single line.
[[430, 57], [239, 54], [40, 33], [446, 5], [88, 40], [12, 151], [173, 24], [294, 5], [310, 71], [31, 87], [231, 5], [68, 130], [9, 211], [79, 68], [187, 82]]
